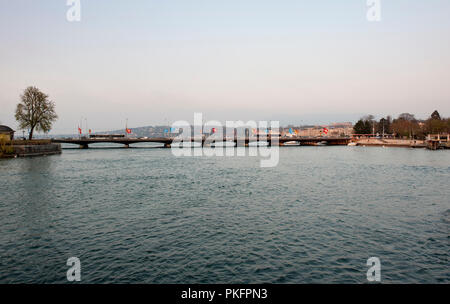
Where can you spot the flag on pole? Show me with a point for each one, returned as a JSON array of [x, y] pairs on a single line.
[[128, 131], [90, 131], [79, 130]]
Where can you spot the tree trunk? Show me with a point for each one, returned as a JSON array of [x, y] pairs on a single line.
[[30, 137]]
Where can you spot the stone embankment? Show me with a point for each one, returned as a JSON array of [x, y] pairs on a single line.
[[23, 148]]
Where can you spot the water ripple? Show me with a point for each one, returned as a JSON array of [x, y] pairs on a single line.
[[144, 216]]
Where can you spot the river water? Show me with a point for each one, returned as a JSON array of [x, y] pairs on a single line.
[[141, 215]]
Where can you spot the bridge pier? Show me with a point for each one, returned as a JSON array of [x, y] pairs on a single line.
[[84, 146], [240, 143], [307, 143]]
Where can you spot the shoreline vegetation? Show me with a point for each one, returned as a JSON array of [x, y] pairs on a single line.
[[406, 125]]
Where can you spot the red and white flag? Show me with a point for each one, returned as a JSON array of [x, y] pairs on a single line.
[[79, 130]]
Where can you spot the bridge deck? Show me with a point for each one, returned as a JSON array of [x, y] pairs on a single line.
[[169, 140]]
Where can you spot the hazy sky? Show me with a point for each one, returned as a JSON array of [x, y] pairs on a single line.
[[155, 61]]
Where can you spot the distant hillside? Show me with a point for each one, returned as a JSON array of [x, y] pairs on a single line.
[[147, 131], [159, 131]]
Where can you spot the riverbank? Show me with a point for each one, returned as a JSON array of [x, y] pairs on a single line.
[[26, 148], [401, 143]]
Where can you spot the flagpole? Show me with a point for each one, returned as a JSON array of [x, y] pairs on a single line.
[[87, 129], [80, 131]]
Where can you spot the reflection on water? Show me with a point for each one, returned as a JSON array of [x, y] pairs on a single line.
[[142, 215]]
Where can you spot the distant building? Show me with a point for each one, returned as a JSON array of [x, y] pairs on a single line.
[[6, 133], [334, 130]]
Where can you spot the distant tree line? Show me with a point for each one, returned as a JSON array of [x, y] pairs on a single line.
[[405, 125]]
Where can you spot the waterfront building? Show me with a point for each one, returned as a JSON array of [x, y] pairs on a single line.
[[6, 133]]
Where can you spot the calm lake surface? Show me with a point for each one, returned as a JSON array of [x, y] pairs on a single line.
[[141, 215]]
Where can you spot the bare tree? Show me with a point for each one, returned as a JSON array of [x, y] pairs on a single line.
[[406, 125], [35, 111], [407, 117]]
